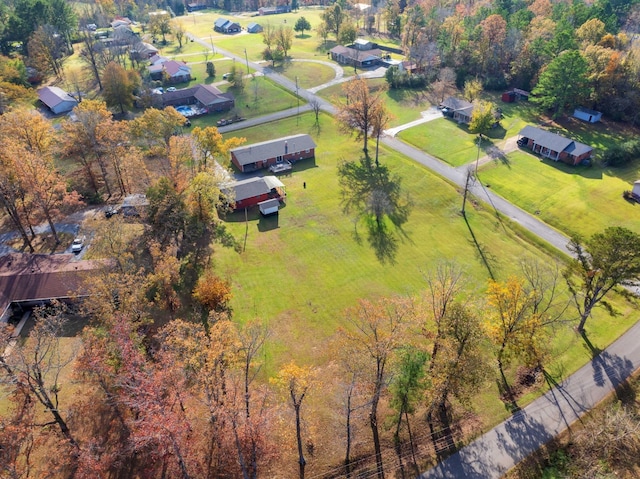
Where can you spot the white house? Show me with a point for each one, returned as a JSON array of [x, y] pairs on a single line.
[[56, 99]]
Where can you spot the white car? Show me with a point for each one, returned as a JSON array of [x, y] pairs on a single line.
[[171, 88], [77, 245]]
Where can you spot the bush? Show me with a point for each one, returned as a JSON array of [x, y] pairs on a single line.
[[211, 69], [620, 155], [398, 79]]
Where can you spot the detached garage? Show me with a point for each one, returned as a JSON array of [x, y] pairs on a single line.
[[57, 100], [254, 191]]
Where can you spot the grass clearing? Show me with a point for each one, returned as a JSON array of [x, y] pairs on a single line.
[[301, 269], [575, 199], [308, 74]]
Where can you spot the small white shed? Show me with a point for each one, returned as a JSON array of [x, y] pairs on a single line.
[[636, 189], [269, 207], [585, 114]]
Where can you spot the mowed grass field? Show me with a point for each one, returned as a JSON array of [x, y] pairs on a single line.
[[300, 270], [574, 199]]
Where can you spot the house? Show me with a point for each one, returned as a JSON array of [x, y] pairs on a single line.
[[254, 28], [195, 6], [143, 51], [458, 109], [252, 191], [171, 71], [585, 114], [36, 278], [262, 155], [553, 146], [133, 205], [57, 100], [222, 25], [207, 97], [274, 10], [123, 35], [514, 95], [120, 21], [358, 58]]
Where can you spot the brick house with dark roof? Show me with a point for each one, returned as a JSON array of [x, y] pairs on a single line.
[[553, 146], [33, 278], [204, 96], [264, 154], [458, 109], [170, 70]]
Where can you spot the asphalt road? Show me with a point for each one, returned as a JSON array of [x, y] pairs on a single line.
[[500, 449]]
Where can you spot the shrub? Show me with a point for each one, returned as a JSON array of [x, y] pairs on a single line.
[[620, 155]]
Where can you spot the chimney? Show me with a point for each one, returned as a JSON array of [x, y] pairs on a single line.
[[286, 147]]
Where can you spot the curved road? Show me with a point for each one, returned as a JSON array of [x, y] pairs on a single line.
[[497, 451]]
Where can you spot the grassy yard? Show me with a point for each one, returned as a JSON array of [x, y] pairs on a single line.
[[574, 199], [260, 97], [404, 105], [300, 270], [309, 74]]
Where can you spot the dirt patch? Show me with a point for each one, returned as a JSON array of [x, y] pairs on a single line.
[[44, 243]]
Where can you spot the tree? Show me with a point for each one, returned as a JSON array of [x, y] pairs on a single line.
[[315, 105], [302, 25], [333, 17], [155, 128], [179, 32], [35, 368], [46, 50], [160, 24], [376, 330], [119, 85], [472, 89], [211, 70], [323, 32], [348, 33], [165, 277], [360, 109], [90, 54], [211, 146], [296, 381], [483, 118], [212, 292], [284, 39], [563, 84], [604, 261]]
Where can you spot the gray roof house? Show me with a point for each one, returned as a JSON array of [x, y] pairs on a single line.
[[358, 58], [553, 146], [223, 25], [56, 99], [205, 96], [458, 109], [264, 154], [254, 27]]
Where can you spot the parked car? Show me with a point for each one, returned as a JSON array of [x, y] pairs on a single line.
[[226, 76], [171, 88], [77, 245]]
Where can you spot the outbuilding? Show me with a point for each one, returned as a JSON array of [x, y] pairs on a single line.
[[636, 190], [585, 114], [254, 27], [57, 100], [253, 191]]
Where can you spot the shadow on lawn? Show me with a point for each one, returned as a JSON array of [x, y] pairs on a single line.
[[591, 172], [481, 250]]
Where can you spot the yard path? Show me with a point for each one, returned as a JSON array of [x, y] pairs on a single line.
[[431, 114], [498, 152], [507, 444]]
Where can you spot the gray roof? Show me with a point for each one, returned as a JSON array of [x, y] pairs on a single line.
[[588, 111], [457, 104], [553, 141], [252, 187], [248, 154], [359, 55], [254, 25], [220, 22], [53, 96], [205, 94]]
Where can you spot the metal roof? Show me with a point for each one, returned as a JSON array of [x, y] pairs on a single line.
[[253, 187], [546, 138], [457, 104], [53, 96], [262, 151]]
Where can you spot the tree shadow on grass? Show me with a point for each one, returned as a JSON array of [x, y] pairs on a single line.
[[484, 256], [591, 172], [383, 242]]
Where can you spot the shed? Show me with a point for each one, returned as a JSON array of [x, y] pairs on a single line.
[[636, 189], [269, 207], [254, 27], [253, 191], [592, 116], [56, 99]]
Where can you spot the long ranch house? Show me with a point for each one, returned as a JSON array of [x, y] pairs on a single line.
[[264, 154], [553, 146]]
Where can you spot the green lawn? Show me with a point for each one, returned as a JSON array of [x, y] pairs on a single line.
[[299, 271], [404, 105], [574, 199], [260, 97], [309, 74]]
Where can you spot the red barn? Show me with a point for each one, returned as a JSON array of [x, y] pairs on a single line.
[[252, 191]]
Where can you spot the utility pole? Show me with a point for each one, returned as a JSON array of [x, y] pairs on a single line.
[[478, 155], [212, 47], [246, 59]]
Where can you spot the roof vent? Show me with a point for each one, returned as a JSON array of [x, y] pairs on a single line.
[[286, 147]]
